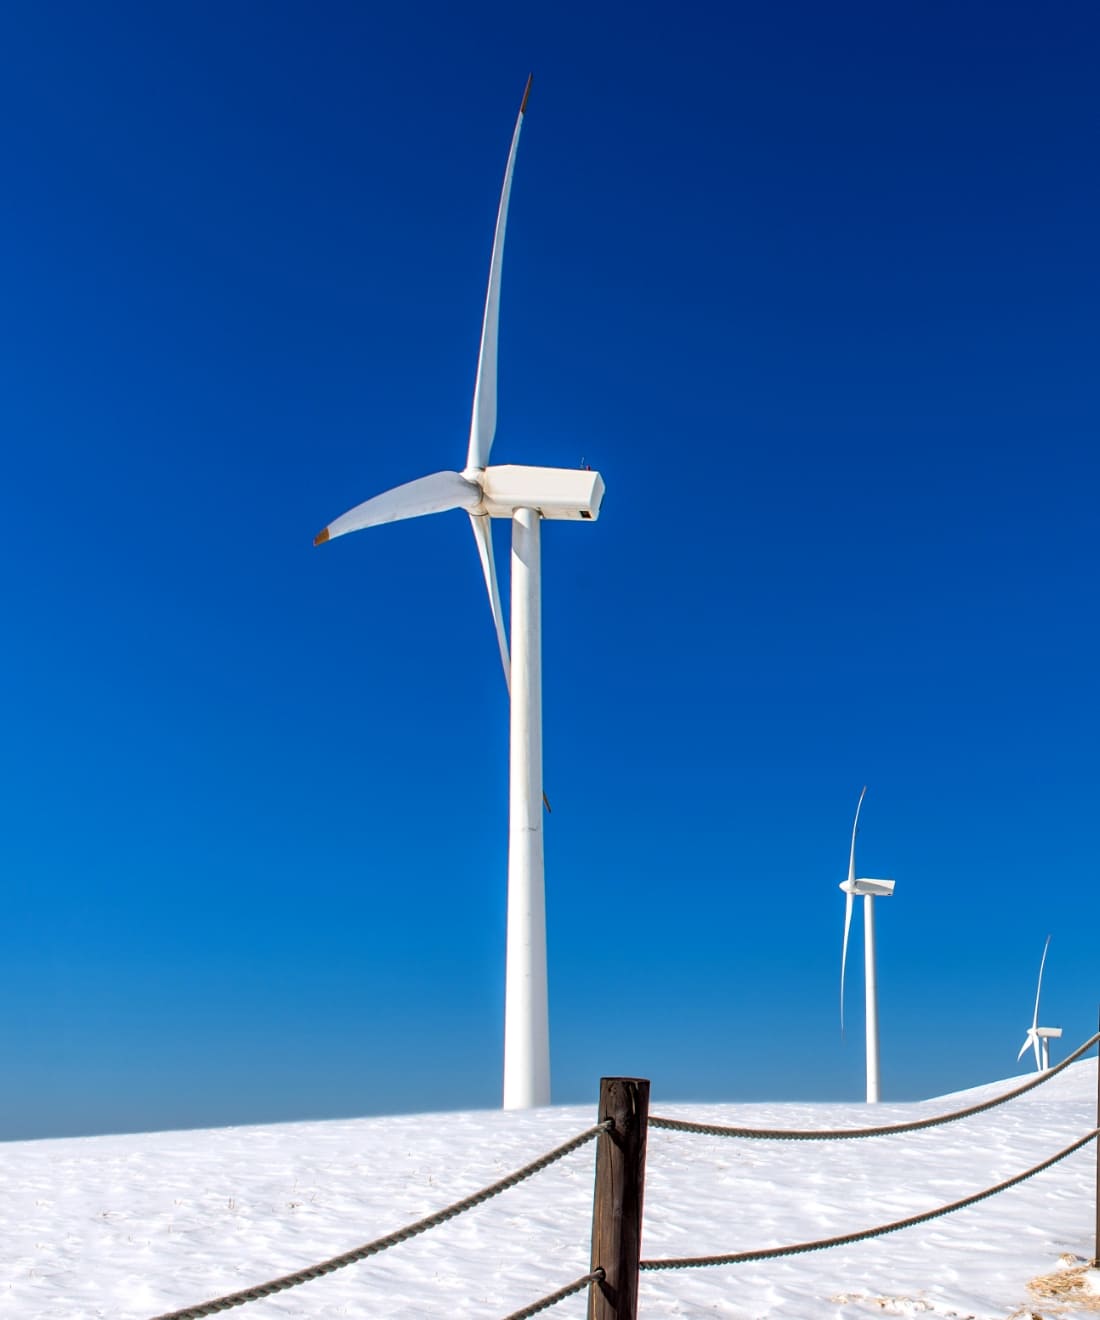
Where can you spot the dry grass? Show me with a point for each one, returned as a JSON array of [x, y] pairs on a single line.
[[1072, 1289]]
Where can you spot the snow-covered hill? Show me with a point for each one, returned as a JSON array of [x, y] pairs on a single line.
[[131, 1226]]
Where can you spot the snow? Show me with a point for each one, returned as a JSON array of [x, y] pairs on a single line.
[[132, 1226]]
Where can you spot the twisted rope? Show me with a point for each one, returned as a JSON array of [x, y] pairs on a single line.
[[823, 1134], [260, 1290], [770, 1253], [597, 1276]]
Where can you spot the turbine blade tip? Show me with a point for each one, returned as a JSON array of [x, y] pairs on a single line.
[[321, 537], [526, 94]]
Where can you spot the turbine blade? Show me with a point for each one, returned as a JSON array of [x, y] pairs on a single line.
[[483, 422], [483, 535], [1038, 1056], [844, 953], [434, 494], [1039, 987], [1023, 1047], [855, 827]]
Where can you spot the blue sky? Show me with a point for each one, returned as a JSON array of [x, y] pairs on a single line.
[[814, 289]]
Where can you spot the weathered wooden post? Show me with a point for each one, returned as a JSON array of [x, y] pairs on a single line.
[[617, 1206], [1096, 1143]]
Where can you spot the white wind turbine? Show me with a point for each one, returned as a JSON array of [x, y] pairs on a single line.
[[1038, 1037], [526, 495], [870, 889]]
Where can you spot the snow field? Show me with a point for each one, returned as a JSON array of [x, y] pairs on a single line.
[[129, 1227]]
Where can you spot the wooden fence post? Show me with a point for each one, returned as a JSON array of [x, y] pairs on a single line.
[[1096, 1243], [617, 1205]]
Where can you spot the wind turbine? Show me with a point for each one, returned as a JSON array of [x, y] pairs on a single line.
[[1038, 1037], [526, 495], [870, 889]]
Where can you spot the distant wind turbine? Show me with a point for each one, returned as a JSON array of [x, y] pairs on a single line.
[[526, 495], [1038, 1037], [870, 889]]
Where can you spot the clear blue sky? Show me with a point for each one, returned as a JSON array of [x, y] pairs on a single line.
[[816, 289]]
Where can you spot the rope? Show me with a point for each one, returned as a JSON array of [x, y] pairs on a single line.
[[822, 1134], [737, 1258], [324, 1267], [597, 1276]]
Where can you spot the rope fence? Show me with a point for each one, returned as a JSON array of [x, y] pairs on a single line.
[[552, 1299], [617, 1204], [260, 1290], [887, 1130], [846, 1239]]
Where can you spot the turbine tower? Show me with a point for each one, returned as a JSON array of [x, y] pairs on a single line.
[[1038, 1037], [870, 890], [527, 496]]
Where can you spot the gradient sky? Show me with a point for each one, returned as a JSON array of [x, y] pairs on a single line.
[[814, 287]]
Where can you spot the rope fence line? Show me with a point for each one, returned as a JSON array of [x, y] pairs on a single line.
[[597, 1276], [613, 1302], [317, 1271], [840, 1134], [771, 1253]]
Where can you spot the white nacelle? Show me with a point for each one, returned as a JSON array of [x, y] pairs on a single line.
[[1048, 1033], [874, 888], [573, 494]]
